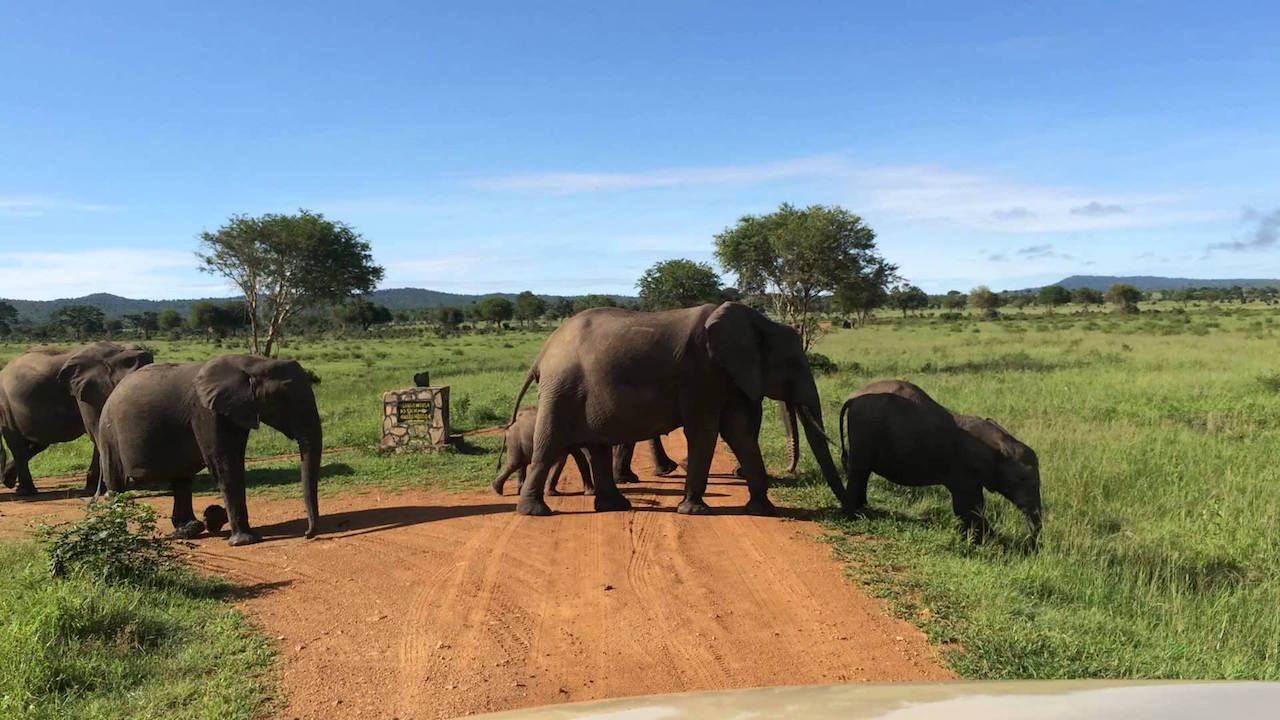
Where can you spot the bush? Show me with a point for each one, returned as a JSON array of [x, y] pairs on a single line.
[[116, 541], [821, 364]]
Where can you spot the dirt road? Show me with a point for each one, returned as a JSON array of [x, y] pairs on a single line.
[[435, 605]]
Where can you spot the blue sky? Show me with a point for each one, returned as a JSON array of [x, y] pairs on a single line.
[[565, 148]]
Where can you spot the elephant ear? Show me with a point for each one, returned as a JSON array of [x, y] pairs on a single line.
[[735, 343], [225, 388], [87, 377]]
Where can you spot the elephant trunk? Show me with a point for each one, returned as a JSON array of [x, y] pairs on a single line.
[[788, 412], [818, 440], [310, 447]]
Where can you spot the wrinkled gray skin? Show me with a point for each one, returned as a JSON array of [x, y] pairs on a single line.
[[166, 422], [48, 396], [664, 465], [897, 431], [609, 376], [517, 440]]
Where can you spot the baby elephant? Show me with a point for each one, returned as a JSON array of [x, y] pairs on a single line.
[[899, 432], [518, 441]]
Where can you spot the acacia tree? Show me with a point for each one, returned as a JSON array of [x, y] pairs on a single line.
[[908, 297], [1051, 296], [496, 310], [529, 307], [954, 300], [360, 311], [288, 263], [983, 299], [679, 283], [82, 321], [1124, 296], [795, 256], [1086, 296]]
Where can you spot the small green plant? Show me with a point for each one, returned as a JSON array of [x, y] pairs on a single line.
[[115, 541]]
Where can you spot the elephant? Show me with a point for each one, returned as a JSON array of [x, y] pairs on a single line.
[[897, 431], [166, 422], [517, 442], [49, 395], [664, 465], [609, 376]]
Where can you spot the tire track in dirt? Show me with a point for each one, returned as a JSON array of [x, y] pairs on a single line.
[[431, 605]]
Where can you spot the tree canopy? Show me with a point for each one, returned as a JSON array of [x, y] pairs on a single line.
[[8, 318], [529, 307], [1125, 296], [795, 256], [908, 297], [587, 302], [81, 321], [1086, 296], [983, 299], [496, 310], [285, 264], [679, 283], [361, 313], [954, 300], [1051, 296]]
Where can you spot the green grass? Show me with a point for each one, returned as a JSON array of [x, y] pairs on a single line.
[[1157, 436], [76, 648], [1156, 432]]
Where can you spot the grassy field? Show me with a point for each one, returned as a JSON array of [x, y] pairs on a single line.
[[1156, 434], [78, 648]]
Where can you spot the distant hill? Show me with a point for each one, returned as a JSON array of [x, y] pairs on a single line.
[[1151, 282], [114, 306]]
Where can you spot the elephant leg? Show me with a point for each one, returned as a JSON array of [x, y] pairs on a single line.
[[584, 469], [967, 504], [608, 497], [701, 438], [500, 482], [663, 465], [185, 524], [21, 451], [225, 461], [740, 428], [553, 482], [622, 471], [521, 474], [858, 468], [531, 502], [93, 478]]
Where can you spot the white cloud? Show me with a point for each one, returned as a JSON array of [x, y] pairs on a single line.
[[39, 206], [127, 272]]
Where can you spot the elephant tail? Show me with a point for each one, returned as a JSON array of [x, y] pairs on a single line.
[[528, 380], [4, 464]]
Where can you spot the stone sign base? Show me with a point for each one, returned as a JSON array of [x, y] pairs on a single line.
[[415, 418]]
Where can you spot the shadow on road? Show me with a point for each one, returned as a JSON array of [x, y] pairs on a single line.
[[371, 520]]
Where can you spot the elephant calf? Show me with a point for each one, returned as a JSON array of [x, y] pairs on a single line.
[[165, 422], [518, 442], [896, 430]]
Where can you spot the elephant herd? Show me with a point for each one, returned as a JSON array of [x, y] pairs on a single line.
[[159, 423], [607, 379]]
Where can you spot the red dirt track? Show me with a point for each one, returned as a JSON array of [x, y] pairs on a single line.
[[435, 605]]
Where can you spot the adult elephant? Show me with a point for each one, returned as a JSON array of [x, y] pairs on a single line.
[[609, 376], [166, 422], [663, 465], [50, 395]]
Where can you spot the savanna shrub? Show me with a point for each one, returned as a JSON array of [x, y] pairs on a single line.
[[115, 541], [821, 364]]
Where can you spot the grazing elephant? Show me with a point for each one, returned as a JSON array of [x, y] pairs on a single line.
[[899, 432], [609, 376], [517, 441], [166, 422], [50, 396]]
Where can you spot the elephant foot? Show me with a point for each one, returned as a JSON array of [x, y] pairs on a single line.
[[10, 479], [628, 477], [189, 530], [498, 486], [243, 538], [665, 469], [554, 491], [214, 518], [25, 490], [589, 491], [693, 507], [857, 512], [610, 503], [760, 506], [532, 507]]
